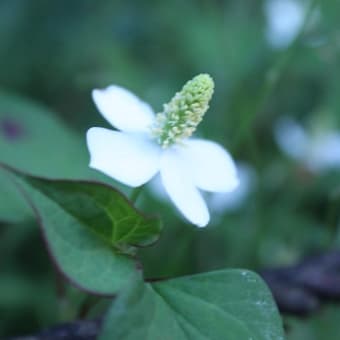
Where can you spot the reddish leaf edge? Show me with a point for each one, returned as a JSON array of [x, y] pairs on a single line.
[[57, 267]]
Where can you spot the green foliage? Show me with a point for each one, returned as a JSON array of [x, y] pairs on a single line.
[[13, 207], [33, 139], [324, 325], [89, 229], [55, 53], [226, 304]]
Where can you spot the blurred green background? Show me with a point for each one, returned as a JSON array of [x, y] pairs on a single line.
[[53, 53]]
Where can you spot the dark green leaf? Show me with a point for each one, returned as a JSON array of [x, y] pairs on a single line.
[[33, 139], [90, 228], [13, 207], [226, 304]]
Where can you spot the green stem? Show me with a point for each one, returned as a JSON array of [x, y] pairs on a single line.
[[271, 79], [332, 220], [135, 193], [62, 300], [89, 302]]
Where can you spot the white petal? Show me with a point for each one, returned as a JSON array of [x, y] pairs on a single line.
[[177, 181], [212, 167], [129, 158], [230, 201], [122, 109], [284, 21], [157, 190], [324, 153], [291, 138]]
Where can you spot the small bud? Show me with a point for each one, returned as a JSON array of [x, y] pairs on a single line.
[[184, 112]]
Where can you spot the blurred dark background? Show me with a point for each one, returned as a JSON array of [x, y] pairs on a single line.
[[271, 60]]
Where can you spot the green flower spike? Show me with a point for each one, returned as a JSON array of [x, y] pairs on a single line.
[[184, 112]]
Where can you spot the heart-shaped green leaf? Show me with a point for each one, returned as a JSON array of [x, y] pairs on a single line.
[[90, 228], [13, 207], [33, 139], [226, 304]]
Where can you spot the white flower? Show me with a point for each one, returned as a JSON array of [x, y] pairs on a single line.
[[147, 144], [220, 202], [318, 152], [284, 21]]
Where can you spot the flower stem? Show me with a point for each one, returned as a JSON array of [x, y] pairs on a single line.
[[135, 193], [270, 82], [89, 302]]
